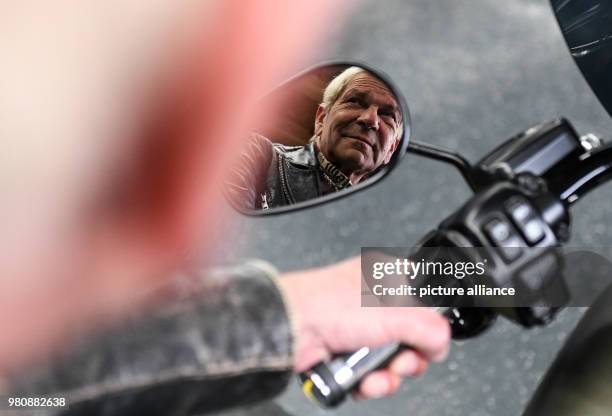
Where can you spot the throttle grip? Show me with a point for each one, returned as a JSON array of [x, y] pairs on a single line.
[[328, 383]]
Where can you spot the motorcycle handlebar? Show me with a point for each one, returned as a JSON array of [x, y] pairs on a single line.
[[576, 178]]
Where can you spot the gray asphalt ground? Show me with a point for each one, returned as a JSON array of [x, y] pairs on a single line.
[[474, 73]]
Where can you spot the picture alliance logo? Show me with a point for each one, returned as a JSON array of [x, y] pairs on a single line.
[[412, 269]]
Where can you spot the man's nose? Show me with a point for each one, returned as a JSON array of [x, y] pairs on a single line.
[[369, 118]]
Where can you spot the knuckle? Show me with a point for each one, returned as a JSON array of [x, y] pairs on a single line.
[[406, 363], [434, 336], [440, 333]]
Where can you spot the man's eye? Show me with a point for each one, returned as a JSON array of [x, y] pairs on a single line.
[[389, 118]]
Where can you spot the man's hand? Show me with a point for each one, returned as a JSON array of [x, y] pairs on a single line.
[[325, 306]]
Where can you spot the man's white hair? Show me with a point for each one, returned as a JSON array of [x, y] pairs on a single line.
[[335, 88], [338, 84]]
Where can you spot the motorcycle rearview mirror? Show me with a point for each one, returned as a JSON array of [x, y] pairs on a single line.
[[587, 28], [337, 128]]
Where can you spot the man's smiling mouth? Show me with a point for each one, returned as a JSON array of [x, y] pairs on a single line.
[[361, 139]]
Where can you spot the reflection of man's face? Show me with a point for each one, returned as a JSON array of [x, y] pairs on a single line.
[[358, 133]]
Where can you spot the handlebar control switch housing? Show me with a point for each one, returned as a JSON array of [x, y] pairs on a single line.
[[514, 224]]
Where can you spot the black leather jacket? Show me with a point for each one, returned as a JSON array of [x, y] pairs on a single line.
[[223, 341], [272, 175]]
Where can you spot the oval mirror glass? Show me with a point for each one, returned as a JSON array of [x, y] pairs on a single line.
[[336, 129]]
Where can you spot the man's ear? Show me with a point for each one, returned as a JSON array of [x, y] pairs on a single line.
[[392, 150], [319, 117]]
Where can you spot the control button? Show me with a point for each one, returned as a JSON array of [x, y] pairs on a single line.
[[512, 251], [519, 211], [499, 231], [502, 235], [533, 231], [526, 219]]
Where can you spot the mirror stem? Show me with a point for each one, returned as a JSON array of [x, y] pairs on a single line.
[[443, 155]]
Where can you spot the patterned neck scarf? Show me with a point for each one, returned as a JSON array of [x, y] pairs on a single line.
[[332, 174]]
